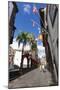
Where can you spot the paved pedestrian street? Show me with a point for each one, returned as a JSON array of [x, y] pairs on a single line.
[[33, 45], [33, 78]]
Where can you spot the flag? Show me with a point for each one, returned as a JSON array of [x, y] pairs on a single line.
[[33, 23], [35, 9]]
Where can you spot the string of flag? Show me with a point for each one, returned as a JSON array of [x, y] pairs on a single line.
[[35, 11]]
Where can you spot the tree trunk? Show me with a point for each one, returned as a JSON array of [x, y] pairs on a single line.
[[22, 57]]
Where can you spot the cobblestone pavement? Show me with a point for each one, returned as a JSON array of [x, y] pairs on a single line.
[[33, 78]]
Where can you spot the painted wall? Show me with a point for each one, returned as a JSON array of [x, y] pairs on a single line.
[[18, 53]]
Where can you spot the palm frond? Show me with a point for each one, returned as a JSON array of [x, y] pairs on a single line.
[[25, 37]]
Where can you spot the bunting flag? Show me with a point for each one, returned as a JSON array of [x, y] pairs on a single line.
[[33, 23], [35, 9]]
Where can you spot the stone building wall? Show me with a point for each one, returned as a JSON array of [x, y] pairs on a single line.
[[52, 21], [11, 57], [12, 10], [50, 28]]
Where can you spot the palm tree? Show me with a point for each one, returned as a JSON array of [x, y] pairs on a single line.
[[24, 37], [30, 37]]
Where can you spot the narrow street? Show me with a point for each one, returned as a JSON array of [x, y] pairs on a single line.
[[33, 44], [33, 78]]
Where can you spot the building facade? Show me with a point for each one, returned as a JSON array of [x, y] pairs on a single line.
[[49, 29], [12, 10], [52, 21], [11, 56]]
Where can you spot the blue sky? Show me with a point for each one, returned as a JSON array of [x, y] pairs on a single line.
[[24, 17]]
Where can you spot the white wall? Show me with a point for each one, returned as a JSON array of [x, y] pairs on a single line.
[[18, 52], [41, 51]]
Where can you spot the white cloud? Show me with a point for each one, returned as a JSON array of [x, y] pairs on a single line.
[[27, 8]]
